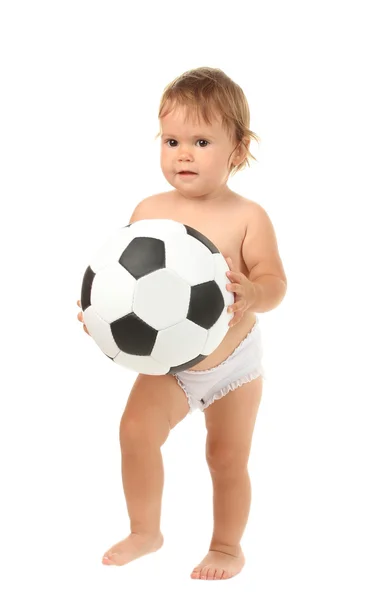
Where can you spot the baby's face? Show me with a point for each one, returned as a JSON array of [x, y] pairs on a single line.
[[197, 147]]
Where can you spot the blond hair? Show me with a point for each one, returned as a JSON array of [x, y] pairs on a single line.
[[206, 92]]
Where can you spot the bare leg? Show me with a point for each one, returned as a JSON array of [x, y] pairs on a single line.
[[231, 505], [143, 479], [230, 423], [156, 404]]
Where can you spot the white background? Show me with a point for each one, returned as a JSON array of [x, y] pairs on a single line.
[[80, 89]]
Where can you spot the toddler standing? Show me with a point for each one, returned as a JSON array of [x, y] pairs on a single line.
[[204, 130]]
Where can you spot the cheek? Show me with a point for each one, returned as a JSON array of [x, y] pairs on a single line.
[[168, 155], [167, 168], [165, 161], [215, 159], [208, 160]]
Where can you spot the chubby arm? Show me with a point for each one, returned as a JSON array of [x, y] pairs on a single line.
[[261, 256]]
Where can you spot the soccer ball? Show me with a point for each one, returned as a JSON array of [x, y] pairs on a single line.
[[154, 297]]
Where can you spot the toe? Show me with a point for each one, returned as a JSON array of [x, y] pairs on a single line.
[[218, 574], [108, 559], [204, 573], [196, 573], [211, 572]]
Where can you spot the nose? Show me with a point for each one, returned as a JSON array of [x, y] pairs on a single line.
[[184, 154]]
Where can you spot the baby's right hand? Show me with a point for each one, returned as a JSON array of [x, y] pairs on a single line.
[[81, 318]]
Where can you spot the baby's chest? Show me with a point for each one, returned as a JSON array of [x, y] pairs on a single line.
[[226, 232], [225, 235], [228, 237]]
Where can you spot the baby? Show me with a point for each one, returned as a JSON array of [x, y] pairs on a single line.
[[205, 137]]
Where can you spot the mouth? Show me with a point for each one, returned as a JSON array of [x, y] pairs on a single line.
[[186, 173]]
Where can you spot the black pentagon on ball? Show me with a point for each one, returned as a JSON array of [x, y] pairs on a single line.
[[143, 256], [186, 365], [133, 336], [206, 304], [87, 288], [202, 238]]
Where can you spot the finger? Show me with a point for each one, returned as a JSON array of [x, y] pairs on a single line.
[[239, 305], [236, 307], [86, 330], [234, 287], [80, 317], [236, 318], [78, 303], [235, 276]]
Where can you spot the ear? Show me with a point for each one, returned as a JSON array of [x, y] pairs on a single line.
[[241, 152]]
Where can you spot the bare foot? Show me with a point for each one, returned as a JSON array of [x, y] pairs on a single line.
[[134, 546], [219, 565]]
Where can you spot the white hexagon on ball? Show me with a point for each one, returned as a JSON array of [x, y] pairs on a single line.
[[100, 332], [156, 228], [189, 258], [112, 249], [160, 310], [113, 292], [178, 344], [141, 364]]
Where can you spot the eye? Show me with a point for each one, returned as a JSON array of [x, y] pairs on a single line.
[[172, 140]]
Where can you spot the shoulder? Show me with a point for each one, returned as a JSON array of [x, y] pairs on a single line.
[[256, 216], [252, 207], [253, 213], [145, 208]]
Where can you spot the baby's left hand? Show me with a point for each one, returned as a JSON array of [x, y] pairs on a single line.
[[244, 293]]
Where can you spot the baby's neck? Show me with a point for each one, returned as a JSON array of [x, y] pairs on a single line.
[[212, 198]]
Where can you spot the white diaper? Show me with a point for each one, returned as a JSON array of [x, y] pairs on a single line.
[[243, 365]]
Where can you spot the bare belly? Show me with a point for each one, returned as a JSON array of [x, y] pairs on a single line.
[[232, 339]]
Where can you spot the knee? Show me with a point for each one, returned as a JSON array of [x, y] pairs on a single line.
[[137, 433], [226, 459], [131, 431]]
